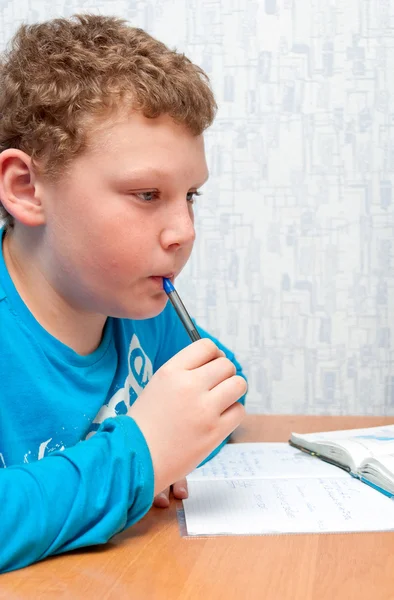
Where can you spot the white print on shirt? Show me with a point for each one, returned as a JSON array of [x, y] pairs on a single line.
[[140, 372]]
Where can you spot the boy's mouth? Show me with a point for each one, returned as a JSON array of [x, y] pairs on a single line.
[[159, 278]]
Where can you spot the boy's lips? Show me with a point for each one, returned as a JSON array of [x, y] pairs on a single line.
[[167, 275], [159, 278]]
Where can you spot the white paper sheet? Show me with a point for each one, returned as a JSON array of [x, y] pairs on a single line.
[[384, 433], [256, 460], [273, 488]]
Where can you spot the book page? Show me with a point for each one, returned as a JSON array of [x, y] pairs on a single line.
[[350, 446], [262, 460], [379, 471], [387, 462], [383, 434], [304, 505]]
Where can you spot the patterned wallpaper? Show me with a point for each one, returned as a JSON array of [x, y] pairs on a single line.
[[293, 267]]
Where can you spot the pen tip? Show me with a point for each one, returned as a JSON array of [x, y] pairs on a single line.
[[167, 285]]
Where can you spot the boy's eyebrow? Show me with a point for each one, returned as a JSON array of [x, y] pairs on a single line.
[[146, 173]]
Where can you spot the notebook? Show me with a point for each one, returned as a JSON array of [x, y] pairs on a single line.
[[266, 488], [367, 454]]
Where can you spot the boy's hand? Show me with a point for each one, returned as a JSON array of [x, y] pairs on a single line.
[[187, 409], [179, 490]]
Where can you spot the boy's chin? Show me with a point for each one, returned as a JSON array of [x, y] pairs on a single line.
[[148, 311]]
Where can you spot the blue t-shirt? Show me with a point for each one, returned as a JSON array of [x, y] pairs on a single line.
[[96, 478]]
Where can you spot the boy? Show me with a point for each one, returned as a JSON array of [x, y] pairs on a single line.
[[101, 157]]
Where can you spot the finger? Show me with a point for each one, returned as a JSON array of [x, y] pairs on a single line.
[[226, 393], [179, 489], [196, 354], [216, 371], [231, 418], [162, 500]]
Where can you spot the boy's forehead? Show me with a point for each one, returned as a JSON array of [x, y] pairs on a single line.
[[133, 126], [142, 147], [161, 174]]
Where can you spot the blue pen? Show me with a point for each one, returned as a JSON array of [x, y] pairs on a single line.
[[180, 310]]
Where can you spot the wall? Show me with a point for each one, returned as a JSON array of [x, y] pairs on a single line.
[[293, 267]]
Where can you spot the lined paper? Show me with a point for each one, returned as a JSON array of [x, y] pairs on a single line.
[[274, 488], [256, 460]]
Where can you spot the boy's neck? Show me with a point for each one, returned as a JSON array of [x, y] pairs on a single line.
[[78, 330]]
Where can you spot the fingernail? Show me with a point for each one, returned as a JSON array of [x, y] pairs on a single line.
[[182, 490]]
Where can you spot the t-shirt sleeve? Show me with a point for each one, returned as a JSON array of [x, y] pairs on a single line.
[[78, 497], [174, 337]]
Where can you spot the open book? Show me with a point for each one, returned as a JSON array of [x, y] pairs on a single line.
[[263, 488], [367, 454]]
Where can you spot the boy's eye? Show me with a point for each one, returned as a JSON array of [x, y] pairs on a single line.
[[154, 195], [147, 196]]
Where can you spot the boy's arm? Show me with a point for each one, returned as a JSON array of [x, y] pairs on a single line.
[[78, 497], [174, 338]]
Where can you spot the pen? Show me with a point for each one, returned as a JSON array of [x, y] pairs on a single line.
[[180, 310]]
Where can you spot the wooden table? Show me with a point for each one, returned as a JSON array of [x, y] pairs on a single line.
[[152, 562]]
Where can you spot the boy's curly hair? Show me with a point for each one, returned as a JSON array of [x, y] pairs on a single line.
[[58, 75]]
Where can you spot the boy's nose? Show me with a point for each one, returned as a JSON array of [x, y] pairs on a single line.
[[179, 230]]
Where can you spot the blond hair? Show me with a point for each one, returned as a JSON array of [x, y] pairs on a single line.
[[58, 74]]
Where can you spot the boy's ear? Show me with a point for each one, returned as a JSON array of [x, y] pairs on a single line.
[[19, 192]]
